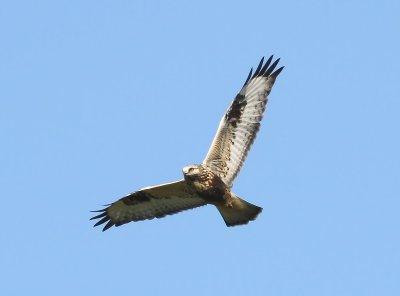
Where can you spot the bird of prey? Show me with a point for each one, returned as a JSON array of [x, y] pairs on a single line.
[[211, 181]]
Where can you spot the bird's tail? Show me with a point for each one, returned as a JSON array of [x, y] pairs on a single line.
[[241, 211]]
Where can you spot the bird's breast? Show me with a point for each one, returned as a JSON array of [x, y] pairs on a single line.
[[209, 187]]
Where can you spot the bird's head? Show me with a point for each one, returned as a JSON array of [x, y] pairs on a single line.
[[191, 171]]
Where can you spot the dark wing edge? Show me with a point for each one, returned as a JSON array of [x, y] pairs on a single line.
[[149, 203], [264, 70]]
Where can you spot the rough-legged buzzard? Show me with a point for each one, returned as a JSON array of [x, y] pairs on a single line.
[[211, 181]]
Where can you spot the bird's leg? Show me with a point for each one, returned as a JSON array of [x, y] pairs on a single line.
[[228, 200]]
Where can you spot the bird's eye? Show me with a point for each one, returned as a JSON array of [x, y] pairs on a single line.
[[191, 170]]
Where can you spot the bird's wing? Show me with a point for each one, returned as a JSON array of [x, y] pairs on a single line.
[[148, 203], [239, 126]]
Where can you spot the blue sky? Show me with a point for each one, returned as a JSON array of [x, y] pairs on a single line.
[[101, 98]]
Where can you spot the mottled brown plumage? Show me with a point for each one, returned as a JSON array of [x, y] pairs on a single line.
[[211, 181]]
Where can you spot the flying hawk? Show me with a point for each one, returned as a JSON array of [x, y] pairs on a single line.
[[211, 181]]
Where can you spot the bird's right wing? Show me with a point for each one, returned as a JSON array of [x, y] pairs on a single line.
[[240, 124], [148, 203]]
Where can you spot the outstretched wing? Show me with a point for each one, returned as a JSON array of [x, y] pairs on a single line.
[[239, 126], [149, 203]]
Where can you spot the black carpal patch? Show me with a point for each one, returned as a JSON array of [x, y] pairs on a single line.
[[236, 109], [135, 198]]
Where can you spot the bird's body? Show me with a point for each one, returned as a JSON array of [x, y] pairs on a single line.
[[205, 183], [211, 181]]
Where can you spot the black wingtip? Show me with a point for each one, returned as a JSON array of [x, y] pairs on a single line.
[[103, 218], [276, 73], [99, 216], [264, 69], [272, 67], [108, 225], [248, 76], [99, 211], [259, 67]]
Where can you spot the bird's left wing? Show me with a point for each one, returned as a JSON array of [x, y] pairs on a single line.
[[148, 203], [239, 126]]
